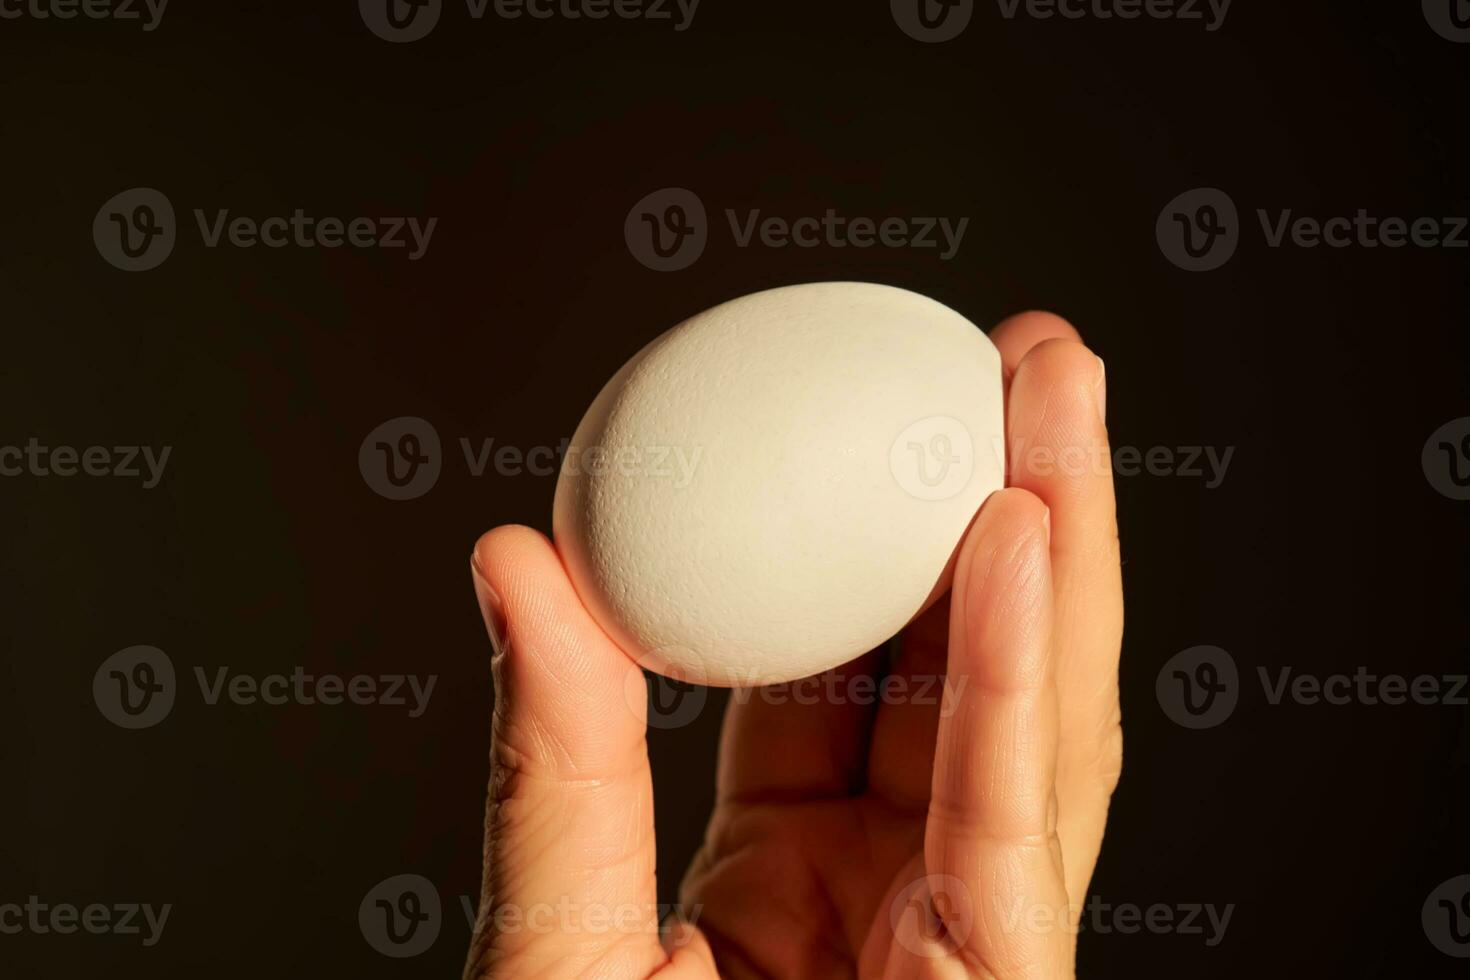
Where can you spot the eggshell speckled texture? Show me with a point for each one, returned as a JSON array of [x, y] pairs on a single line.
[[776, 486]]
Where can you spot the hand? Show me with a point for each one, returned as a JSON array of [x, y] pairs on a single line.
[[903, 840]]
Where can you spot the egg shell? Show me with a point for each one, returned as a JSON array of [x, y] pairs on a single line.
[[777, 485]]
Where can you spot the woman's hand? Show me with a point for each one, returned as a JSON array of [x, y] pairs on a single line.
[[953, 837]]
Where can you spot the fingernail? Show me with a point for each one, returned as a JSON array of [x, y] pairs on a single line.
[[1100, 388], [1046, 525], [491, 608]]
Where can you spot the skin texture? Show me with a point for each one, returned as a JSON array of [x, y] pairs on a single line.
[[900, 839]]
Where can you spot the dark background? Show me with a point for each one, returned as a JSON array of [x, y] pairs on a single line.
[[1325, 548]]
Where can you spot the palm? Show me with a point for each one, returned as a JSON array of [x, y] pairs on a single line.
[[812, 853], [802, 889]]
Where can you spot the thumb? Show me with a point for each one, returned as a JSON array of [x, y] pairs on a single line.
[[569, 850]]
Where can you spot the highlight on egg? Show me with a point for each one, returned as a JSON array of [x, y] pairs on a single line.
[[779, 484]]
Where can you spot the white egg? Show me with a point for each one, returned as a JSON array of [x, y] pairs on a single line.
[[777, 485]]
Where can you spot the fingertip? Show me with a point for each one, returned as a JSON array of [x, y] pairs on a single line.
[[1005, 582], [1057, 441], [505, 549], [1004, 514], [521, 580], [1015, 336], [1014, 515], [1063, 362], [564, 692]]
